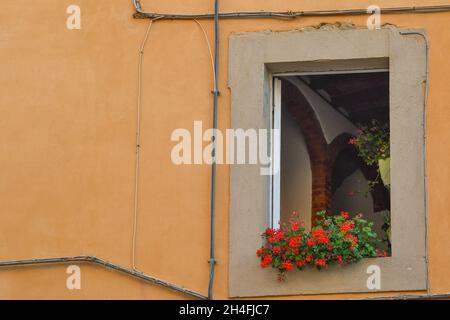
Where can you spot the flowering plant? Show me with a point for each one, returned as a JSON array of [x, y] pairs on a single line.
[[335, 240], [373, 142]]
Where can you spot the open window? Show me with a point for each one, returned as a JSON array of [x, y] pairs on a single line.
[[334, 147]]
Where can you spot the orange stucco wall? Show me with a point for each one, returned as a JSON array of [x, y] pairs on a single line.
[[67, 142]]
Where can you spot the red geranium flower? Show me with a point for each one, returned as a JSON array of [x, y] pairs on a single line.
[[276, 250], [287, 265], [279, 235], [321, 262], [344, 215], [259, 252], [346, 227], [311, 242], [320, 236], [267, 260], [301, 263], [317, 233], [323, 240], [295, 242]]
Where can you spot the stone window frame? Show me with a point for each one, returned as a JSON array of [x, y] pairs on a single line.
[[254, 58]]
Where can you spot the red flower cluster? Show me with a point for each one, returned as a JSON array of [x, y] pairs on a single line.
[[334, 240], [276, 250], [287, 265], [301, 263], [346, 226], [295, 242], [353, 239], [320, 237], [266, 261], [321, 262], [295, 226], [311, 242]]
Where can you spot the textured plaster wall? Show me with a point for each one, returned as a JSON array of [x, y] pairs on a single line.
[[67, 124]]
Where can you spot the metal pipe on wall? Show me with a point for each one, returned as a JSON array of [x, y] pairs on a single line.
[[105, 264], [141, 14], [216, 92]]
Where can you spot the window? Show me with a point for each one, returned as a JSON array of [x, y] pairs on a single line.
[[318, 56], [321, 116]]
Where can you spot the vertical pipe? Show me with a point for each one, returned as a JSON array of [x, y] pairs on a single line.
[[212, 259]]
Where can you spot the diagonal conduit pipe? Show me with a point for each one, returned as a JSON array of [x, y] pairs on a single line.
[[105, 264]]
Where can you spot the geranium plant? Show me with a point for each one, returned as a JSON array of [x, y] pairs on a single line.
[[373, 142], [335, 240], [373, 145]]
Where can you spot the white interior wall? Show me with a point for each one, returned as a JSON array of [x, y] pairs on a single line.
[[296, 177], [351, 197]]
